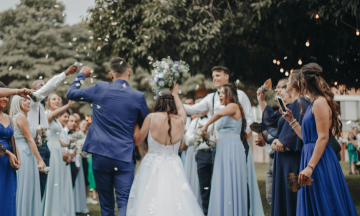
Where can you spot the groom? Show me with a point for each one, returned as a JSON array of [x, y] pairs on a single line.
[[116, 109]]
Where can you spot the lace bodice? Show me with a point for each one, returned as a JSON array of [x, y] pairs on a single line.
[[157, 148], [20, 138], [228, 125]]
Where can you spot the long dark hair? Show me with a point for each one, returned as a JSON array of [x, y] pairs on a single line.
[[312, 82], [230, 91], [166, 103]]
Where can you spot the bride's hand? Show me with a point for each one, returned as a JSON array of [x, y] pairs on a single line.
[[175, 89]]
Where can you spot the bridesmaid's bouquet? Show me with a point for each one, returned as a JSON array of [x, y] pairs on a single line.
[[41, 136], [75, 142], [199, 138], [166, 72]]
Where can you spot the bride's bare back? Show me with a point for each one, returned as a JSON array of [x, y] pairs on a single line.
[[159, 128]]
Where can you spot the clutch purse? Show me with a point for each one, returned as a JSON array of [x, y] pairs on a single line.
[[256, 127], [12, 145], [335, 144], [293, 182], [2, 150]]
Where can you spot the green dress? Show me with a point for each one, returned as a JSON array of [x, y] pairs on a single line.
[[91, 177], [353, 155]]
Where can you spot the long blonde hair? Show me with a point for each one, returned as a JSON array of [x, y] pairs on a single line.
[[15, 106]]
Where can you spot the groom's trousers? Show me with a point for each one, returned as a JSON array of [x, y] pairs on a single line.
[[112, 174]]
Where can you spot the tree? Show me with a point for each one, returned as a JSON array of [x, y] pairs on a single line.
[[36, 44], [246, 36]]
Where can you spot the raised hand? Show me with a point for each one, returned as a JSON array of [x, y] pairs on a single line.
[[71, 69], [70, 103], [260, 95], [289, 116], [86, 70], [175, 89], [24, 92]]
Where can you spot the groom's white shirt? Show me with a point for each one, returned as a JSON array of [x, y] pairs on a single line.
[[37, 108], [207, 102]]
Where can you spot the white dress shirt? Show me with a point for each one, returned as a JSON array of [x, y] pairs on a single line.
[[37, 107], [191, 131], [206, 105]]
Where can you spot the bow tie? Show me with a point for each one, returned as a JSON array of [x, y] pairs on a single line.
[[70, 132], [218, 92], [201, 117]]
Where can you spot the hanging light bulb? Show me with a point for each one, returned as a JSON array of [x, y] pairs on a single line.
[[292, 70], [286, 73], [307, 43], [300, 62], [274, 61], [357, 32], [278, 62], [317, 16], [335, 83], [281, 70]]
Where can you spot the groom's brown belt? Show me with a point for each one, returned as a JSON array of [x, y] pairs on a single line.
[[204, 150]]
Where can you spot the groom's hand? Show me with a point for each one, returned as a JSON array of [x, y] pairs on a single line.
[[86, 70]]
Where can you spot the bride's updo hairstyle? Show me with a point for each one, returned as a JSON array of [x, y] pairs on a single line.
[[312, 82], [231, 93], [166, 103]]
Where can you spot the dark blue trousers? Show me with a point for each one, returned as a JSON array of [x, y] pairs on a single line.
[[45, 155], [204, 169], [74, 172], [112, 174]]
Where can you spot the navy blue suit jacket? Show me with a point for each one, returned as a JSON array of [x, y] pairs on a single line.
[[116, 109]]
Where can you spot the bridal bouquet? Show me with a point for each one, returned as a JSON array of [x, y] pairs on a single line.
[[76, 142], [166, 72], [199, 138], [41, 136]]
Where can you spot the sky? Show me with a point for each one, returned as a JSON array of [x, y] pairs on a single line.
[[74, 8]]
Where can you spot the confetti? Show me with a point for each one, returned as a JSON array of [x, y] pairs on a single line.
[[40, 77], [116, 169], [121, 62], [82, 82], [91, 80], [88, 54], [89, 31], [348, 122], [63, 14], [76, 50], [237, 81], [58, 133], [77, 55], [180, 91], [100, 9], [81, 64], [56, 6], [197, 87], [91, 105], [146, 37], [99, 38], [112, 11], [55, 184], [10, 68], [98, 106], [77, 84], [124, 85], [47, 56], [84, 47], [94, 75], [106, 39], [92, 71], [111, 18], [146, 79], [65, 82], [98, 48], [107, 36], [91, 37], [206, 188], [100, 18], [27, 76], [76, 79], [74, 38], [81, 98], [114, 23], [70, 44]]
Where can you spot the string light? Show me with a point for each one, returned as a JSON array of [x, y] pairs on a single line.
[[278, 62], [292, 70], [335, 83], [281, 70], [357, 32], [317, 16], [300, 62], [286, 73], [307, 43], [274, 61]]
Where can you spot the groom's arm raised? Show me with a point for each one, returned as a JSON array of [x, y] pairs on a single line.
[[75, 93]]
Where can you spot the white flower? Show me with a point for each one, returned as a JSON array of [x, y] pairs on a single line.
[[161, 75], [161, 83], [156, 78], [177, 74]]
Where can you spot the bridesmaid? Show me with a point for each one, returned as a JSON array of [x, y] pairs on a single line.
[[328, 194], [8, 163], [28, 194], [54, 186], [229, 182]]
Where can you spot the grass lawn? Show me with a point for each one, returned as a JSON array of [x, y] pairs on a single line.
[[353, 182]]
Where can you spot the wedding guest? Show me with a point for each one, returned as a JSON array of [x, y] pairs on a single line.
[[357, 135], [5, 92], [212, 103], [8, 163], [191, 166], [266, 145], [37, 116], [54, 196], [353, 156], [78, 119], [80, 182], [328, 194], [183, 147], [68, 201], [283, 201], [91, 178], [229, 184], [28, 194]]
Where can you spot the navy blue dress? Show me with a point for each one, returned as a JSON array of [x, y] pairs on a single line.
[[328, 194], [283, 201], [8, 181]]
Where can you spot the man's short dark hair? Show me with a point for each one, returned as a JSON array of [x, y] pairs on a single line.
[[189, 98], [67, 111], [118, 65], [221, 68], [199, 97]]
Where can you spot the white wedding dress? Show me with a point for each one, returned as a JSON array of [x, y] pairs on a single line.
[[160, 187]]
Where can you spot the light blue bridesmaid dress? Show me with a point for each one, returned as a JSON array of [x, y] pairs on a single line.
[[28, 194], [190, 168], [54, 193], [229, 185]]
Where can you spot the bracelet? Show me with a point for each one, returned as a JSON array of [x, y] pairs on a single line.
[[16, 91], [311, 167], [293, 127], [293, 122]]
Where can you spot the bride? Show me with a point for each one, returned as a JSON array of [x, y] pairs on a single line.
[[160, 187]]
